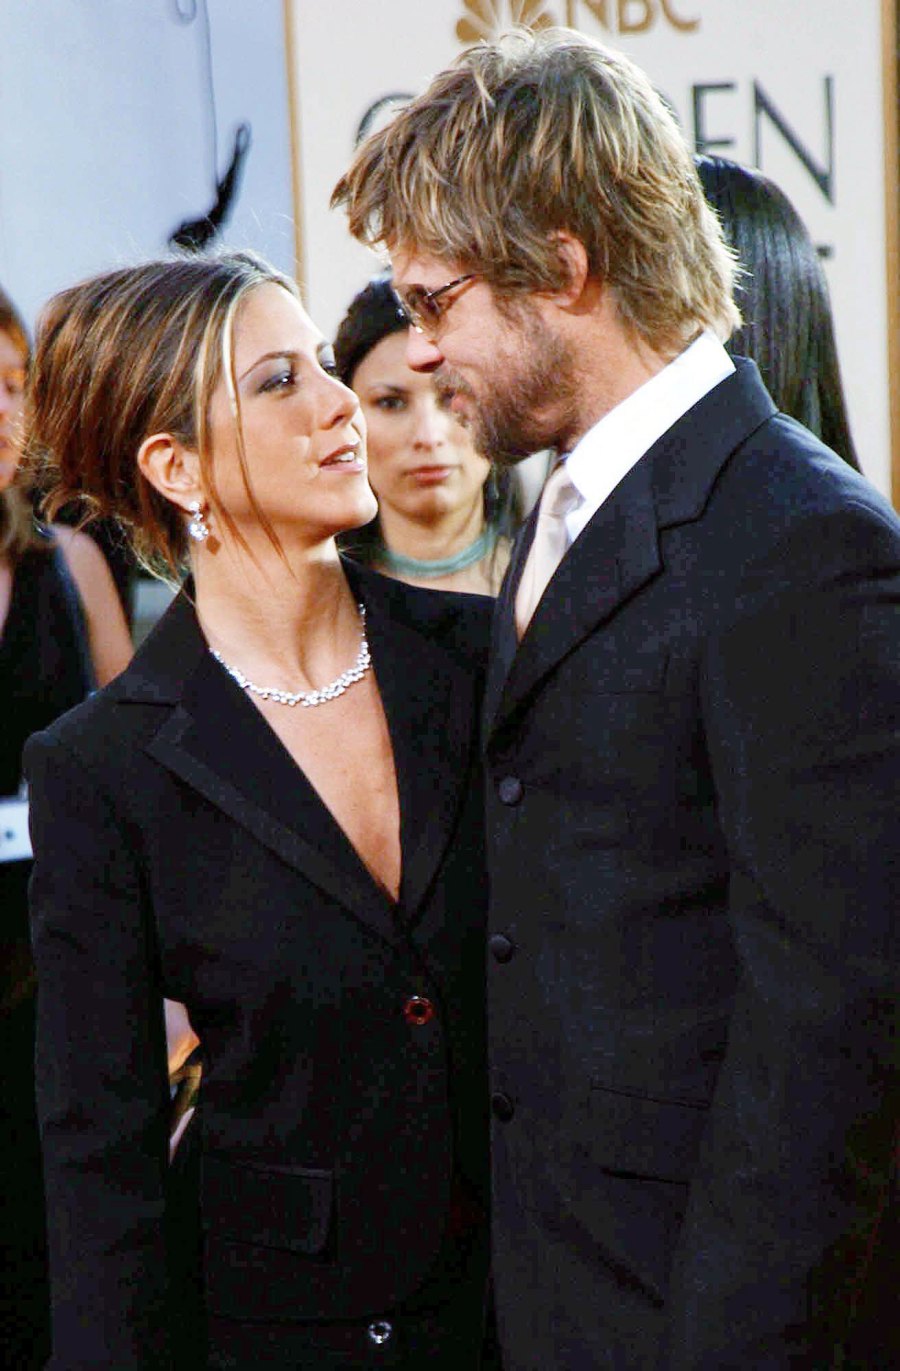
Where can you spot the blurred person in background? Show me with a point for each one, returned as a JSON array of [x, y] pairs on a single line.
[[62, 631], [445, 515], [782, 293]]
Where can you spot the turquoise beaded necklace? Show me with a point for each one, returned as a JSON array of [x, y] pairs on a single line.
[[483, 545]]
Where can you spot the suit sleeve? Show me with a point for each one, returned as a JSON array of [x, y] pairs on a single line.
[[101, 1073], [802, 709]]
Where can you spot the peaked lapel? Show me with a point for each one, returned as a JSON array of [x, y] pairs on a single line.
[[216, 741], [430, 699], [618, 551], [614, 556]]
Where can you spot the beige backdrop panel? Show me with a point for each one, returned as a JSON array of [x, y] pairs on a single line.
[[795, 88]]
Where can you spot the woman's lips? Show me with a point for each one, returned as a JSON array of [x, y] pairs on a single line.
[[430, 476], [346, 459]]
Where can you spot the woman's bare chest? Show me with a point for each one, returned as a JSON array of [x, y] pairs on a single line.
[[344, 749]]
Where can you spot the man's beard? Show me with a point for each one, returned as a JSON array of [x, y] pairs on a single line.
[[528, 404]]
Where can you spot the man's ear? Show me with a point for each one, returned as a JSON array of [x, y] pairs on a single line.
[[573, 259], [171, 468]]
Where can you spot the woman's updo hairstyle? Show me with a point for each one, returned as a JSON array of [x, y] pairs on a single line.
[[120, 357]]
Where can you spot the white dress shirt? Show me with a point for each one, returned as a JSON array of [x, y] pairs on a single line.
[[618, 441]]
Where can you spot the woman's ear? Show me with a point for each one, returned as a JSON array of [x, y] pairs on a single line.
[[171, 468]]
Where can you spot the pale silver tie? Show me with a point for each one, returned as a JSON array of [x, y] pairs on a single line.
[[551, 540]]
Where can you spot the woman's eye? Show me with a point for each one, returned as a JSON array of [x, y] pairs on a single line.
[[281, 381], [390, 403], [328, 365]]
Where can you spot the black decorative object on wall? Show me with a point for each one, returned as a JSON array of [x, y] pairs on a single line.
[[193, 235]]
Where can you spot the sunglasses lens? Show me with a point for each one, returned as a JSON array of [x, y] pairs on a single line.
[[404, 306], [425, 308], [422, 309]]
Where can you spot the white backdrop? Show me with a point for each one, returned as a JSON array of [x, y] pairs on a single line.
[[106, 132], [791, 86]]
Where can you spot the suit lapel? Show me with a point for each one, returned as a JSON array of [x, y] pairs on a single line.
[[216, 741], [618, 552], [615, 555], [504, 641], [429, 699]]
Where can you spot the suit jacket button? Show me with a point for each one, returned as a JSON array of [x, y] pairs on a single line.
[[380, 1332], [502, 948], [418, 1011], [502, 1106], [510, 790]]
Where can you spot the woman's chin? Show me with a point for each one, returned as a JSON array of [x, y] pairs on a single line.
[[367, 511]]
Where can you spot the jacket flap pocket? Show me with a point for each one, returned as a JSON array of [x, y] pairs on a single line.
[[643, 1136], [280, 1207]]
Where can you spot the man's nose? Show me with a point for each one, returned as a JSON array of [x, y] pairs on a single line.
[[422, 353]]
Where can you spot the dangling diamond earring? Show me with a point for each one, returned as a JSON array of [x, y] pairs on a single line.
[[198, 528]]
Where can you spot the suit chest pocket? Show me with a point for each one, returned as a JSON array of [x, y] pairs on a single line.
[[287, 1208], [640, 1135]]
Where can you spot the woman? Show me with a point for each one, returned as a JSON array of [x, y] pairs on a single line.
[[61, 629], [444, 515], [783, 296], [32, 559], [272, 818]]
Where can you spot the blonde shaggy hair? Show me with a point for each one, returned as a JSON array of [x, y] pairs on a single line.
[[536, 134]]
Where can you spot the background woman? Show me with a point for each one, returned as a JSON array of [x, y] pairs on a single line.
[[61, 630], [272, 818], [444, 514]]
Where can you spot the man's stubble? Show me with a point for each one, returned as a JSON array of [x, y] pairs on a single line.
[[528, 400]]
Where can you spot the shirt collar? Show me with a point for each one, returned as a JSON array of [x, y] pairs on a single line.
[[608, 451]]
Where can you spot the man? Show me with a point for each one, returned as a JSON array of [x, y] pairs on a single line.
[[691, 741]]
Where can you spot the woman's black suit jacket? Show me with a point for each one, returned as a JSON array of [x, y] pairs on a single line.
[[181, 853]]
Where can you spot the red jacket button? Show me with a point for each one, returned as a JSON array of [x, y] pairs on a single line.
[[418, 1011]]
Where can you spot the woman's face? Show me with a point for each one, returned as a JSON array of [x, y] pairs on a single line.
[[421, 461], [12, 392], [304, 438]]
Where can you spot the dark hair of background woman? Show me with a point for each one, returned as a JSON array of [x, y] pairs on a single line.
[[788, 328]]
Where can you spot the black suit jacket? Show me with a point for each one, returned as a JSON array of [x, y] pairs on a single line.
[[693, 848], [180, 853]]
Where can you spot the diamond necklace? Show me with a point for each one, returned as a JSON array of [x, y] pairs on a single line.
[[308, 698]]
